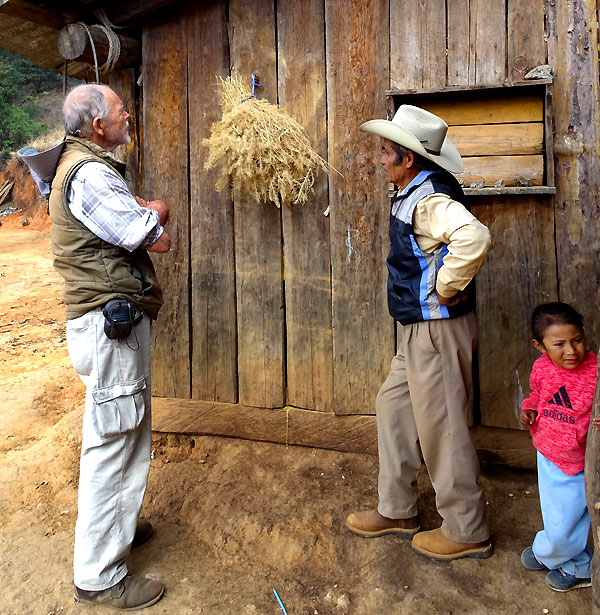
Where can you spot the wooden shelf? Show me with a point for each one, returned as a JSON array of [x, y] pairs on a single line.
[[471, 88], [515, 190]]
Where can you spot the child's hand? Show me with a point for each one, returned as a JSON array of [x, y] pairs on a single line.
[[596, 423], [527, 418]]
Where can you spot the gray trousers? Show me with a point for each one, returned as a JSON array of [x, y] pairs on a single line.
[[422, 407], [115, 451]]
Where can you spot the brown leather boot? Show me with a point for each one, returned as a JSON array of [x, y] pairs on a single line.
[[371, 524], [436, 545], [130, 594]]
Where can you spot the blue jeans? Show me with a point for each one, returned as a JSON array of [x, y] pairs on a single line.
[[562, 542]]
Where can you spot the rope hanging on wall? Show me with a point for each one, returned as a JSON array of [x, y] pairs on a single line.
[[72, 42]]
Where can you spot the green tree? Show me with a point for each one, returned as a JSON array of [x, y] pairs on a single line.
[[20, 81]]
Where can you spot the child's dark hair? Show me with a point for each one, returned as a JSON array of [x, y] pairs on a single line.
[[555, 313]]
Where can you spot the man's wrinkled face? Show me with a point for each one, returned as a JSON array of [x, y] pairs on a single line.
[[396, 174], [116, 126]]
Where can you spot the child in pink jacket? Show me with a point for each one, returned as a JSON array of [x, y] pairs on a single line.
[[558, 413]]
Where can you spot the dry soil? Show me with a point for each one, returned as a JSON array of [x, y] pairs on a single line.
[[234, 520]]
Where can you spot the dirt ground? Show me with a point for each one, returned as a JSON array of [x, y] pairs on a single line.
[[233, 519]]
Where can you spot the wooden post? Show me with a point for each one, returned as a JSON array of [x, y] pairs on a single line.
[[573, 54], [592, 490]]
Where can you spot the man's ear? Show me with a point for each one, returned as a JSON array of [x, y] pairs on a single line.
[[539, 347], [409, 159], [97, 126]]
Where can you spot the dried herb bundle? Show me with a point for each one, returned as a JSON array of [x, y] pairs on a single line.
[[261, 147]]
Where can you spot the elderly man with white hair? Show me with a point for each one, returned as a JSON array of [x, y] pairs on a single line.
[[436, 248], [101, 236]]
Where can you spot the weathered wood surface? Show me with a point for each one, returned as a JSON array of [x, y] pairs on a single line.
[[418, 44], [294, 426], [74, 44], [258, 247], [573, 53], [282, 425], [166, 178], [489, 169], [307, 265], [517, 105], [357, 76], [519, 273], [212, 252], [487, 36], [572, 50], [498, 139], [525, 29], [459, 43], [123, 82], [592, 490]]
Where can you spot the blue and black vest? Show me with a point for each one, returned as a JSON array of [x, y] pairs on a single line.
[[413, 273]]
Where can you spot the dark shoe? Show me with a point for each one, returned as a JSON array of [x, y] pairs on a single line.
[[561, 581], [530, 561], [436, 545], [370, 524], [143, 531], [130, 594]]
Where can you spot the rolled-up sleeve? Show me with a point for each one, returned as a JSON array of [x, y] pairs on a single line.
[[439, 219], [99, 198]]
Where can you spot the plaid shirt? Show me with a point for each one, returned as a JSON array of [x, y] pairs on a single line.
[[101, 201]]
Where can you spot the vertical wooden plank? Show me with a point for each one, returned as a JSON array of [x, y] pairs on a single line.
[[573, 53], [526, 33], [357, 76], [212, 257], [519, 273], [166, 177], [257, 227], [487, 42], [459, 45], [123, 82], [307, 265], [418, 44]]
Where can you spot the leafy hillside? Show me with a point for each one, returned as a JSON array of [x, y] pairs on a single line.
[[24, 90]]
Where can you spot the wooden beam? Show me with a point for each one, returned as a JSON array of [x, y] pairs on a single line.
[[126, 12], [36, 14], [298, 427], [74, 44]]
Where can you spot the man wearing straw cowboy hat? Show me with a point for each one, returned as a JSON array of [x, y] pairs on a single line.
[[101, 236], [436, 249]]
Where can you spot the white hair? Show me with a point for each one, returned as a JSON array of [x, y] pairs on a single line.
[[81, 106]]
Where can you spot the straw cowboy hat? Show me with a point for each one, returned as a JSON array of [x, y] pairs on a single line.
[[420, 131], [42, 164]]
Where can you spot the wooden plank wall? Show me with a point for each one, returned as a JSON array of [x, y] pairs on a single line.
[[268, 307], [307, 261], [258, 245], [484, 38], [212, 255], [357, 69], [166, 177], [572, 49]]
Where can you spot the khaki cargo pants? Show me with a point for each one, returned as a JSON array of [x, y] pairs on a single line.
[[423, 407]]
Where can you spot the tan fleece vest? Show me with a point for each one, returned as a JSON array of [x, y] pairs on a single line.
[[94, 270]]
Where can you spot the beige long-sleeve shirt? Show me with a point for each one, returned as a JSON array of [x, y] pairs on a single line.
[[439, 219]]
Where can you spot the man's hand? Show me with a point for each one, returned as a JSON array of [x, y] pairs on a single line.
[[158, 206], [162, 244], [461, 295], [527, 418]]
